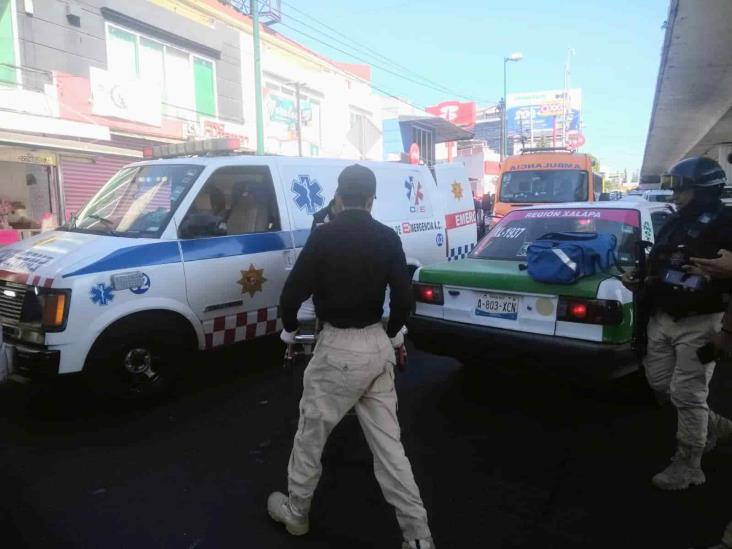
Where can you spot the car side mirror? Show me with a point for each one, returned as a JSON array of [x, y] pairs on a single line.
[[201, 226]]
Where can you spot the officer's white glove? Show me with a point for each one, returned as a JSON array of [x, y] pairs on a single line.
[[288, 337], [398, 340]]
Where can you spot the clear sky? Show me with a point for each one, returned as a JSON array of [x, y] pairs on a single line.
[[461, 46]]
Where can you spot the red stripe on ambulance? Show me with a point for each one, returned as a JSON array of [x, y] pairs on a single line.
[[460, 219]]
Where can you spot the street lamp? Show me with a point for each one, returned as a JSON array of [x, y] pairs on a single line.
[[515, 56]]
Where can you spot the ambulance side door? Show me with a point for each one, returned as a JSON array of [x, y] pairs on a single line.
[[236, 247], [308, 187], [405, 201], [456, 197]]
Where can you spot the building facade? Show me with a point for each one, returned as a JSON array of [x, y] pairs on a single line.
[[85, 85]]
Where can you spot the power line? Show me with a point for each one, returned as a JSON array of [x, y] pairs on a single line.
[[360, 47], [425, 82], [369, 83]]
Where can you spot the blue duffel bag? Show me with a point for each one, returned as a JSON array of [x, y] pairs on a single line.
[[562, 258]]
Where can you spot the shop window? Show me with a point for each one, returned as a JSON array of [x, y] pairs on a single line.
[[27, 197], [187, 81], [203, 77], [8, 61], [235, 200]]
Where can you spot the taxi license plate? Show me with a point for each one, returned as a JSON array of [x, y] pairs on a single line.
[[497, 306]]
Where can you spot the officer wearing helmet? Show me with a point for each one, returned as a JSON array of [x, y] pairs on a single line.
[[686, 311]]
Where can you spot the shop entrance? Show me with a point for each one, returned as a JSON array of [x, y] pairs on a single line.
[[29, 198]]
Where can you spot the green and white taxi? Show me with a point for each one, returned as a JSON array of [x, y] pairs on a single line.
[[487, 305]]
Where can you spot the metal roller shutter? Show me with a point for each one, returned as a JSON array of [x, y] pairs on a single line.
[[81, 179]]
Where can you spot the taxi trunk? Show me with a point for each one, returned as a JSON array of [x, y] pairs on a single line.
[[500, 294]]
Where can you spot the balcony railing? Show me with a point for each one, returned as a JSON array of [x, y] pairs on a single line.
[[26, 78]]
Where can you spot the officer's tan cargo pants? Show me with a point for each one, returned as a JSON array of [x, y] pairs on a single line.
[[354, 368], [673, 368]]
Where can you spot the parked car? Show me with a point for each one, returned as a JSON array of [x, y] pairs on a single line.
[[659, 195], [488, 305]]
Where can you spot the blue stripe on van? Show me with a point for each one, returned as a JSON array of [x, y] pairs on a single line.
[[162, 253], [300, 236], [228, 246], [158, 253]]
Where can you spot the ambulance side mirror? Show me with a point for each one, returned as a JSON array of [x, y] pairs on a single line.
[[485, 202]]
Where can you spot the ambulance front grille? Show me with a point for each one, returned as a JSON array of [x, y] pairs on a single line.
[[11, 301]]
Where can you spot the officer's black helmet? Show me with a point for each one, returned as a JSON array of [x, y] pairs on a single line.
[[696, 172]]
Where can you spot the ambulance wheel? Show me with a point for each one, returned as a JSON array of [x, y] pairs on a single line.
[[139, 357]]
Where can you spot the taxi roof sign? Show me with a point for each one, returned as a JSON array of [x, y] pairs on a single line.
[[210, 147]]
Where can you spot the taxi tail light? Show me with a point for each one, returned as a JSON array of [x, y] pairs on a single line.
[[428, 293], [590, 311]]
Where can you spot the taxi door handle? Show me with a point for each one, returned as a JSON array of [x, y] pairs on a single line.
[[453, 293]]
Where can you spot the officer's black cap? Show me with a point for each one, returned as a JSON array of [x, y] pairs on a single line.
[[357, 181]]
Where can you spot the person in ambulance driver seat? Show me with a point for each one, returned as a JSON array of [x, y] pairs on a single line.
[[346, 265], [685, 312]]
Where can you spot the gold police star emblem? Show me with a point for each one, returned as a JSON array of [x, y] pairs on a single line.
[[457, 190], [252, 280]]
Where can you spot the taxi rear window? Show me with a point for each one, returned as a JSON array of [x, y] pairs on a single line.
[[511, 237]]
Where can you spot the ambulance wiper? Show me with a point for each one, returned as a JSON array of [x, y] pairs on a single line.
[[104, 220]]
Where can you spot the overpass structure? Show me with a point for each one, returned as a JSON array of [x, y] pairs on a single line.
[[692, 107]]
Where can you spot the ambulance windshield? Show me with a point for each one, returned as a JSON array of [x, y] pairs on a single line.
[[511, 238], [137, 201]]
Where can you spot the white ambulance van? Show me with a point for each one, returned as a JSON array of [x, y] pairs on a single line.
[[190, 251]]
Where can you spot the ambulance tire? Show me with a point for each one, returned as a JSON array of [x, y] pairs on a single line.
[[140, 356]]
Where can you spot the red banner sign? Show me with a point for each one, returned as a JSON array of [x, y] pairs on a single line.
[[460, 114]]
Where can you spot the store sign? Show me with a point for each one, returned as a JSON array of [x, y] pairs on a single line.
[[133, 100], [209, 128], [283, 110], [543, 112], [31, 102], [459, 113], [27, 157]]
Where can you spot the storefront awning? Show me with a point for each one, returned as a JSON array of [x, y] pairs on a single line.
[[444, 131], [64, 145]]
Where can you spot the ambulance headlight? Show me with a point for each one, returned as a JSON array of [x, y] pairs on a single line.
[[46, 308]]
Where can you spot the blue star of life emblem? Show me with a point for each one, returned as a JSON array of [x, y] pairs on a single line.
[[101, 294], [409, 185], [307, 194]]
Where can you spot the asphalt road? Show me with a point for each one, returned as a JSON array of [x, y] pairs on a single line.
[[504, 458]]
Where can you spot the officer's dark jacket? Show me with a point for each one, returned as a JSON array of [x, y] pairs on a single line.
[[324, 216], [346, 266], [701, 239]]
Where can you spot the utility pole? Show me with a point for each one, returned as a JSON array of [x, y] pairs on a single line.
[[254, 7], [501, 149], [298, 114], [566, 103], [504, 124], [298, 122]]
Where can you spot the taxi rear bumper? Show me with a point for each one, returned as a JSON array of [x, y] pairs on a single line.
[[484, 344]]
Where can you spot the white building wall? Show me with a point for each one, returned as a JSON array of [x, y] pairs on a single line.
[[333, 92]]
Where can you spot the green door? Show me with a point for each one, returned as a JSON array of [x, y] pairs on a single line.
[[7, 44]]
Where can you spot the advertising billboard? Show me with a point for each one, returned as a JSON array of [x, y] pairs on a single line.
[[542, 112], [459, 113]]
